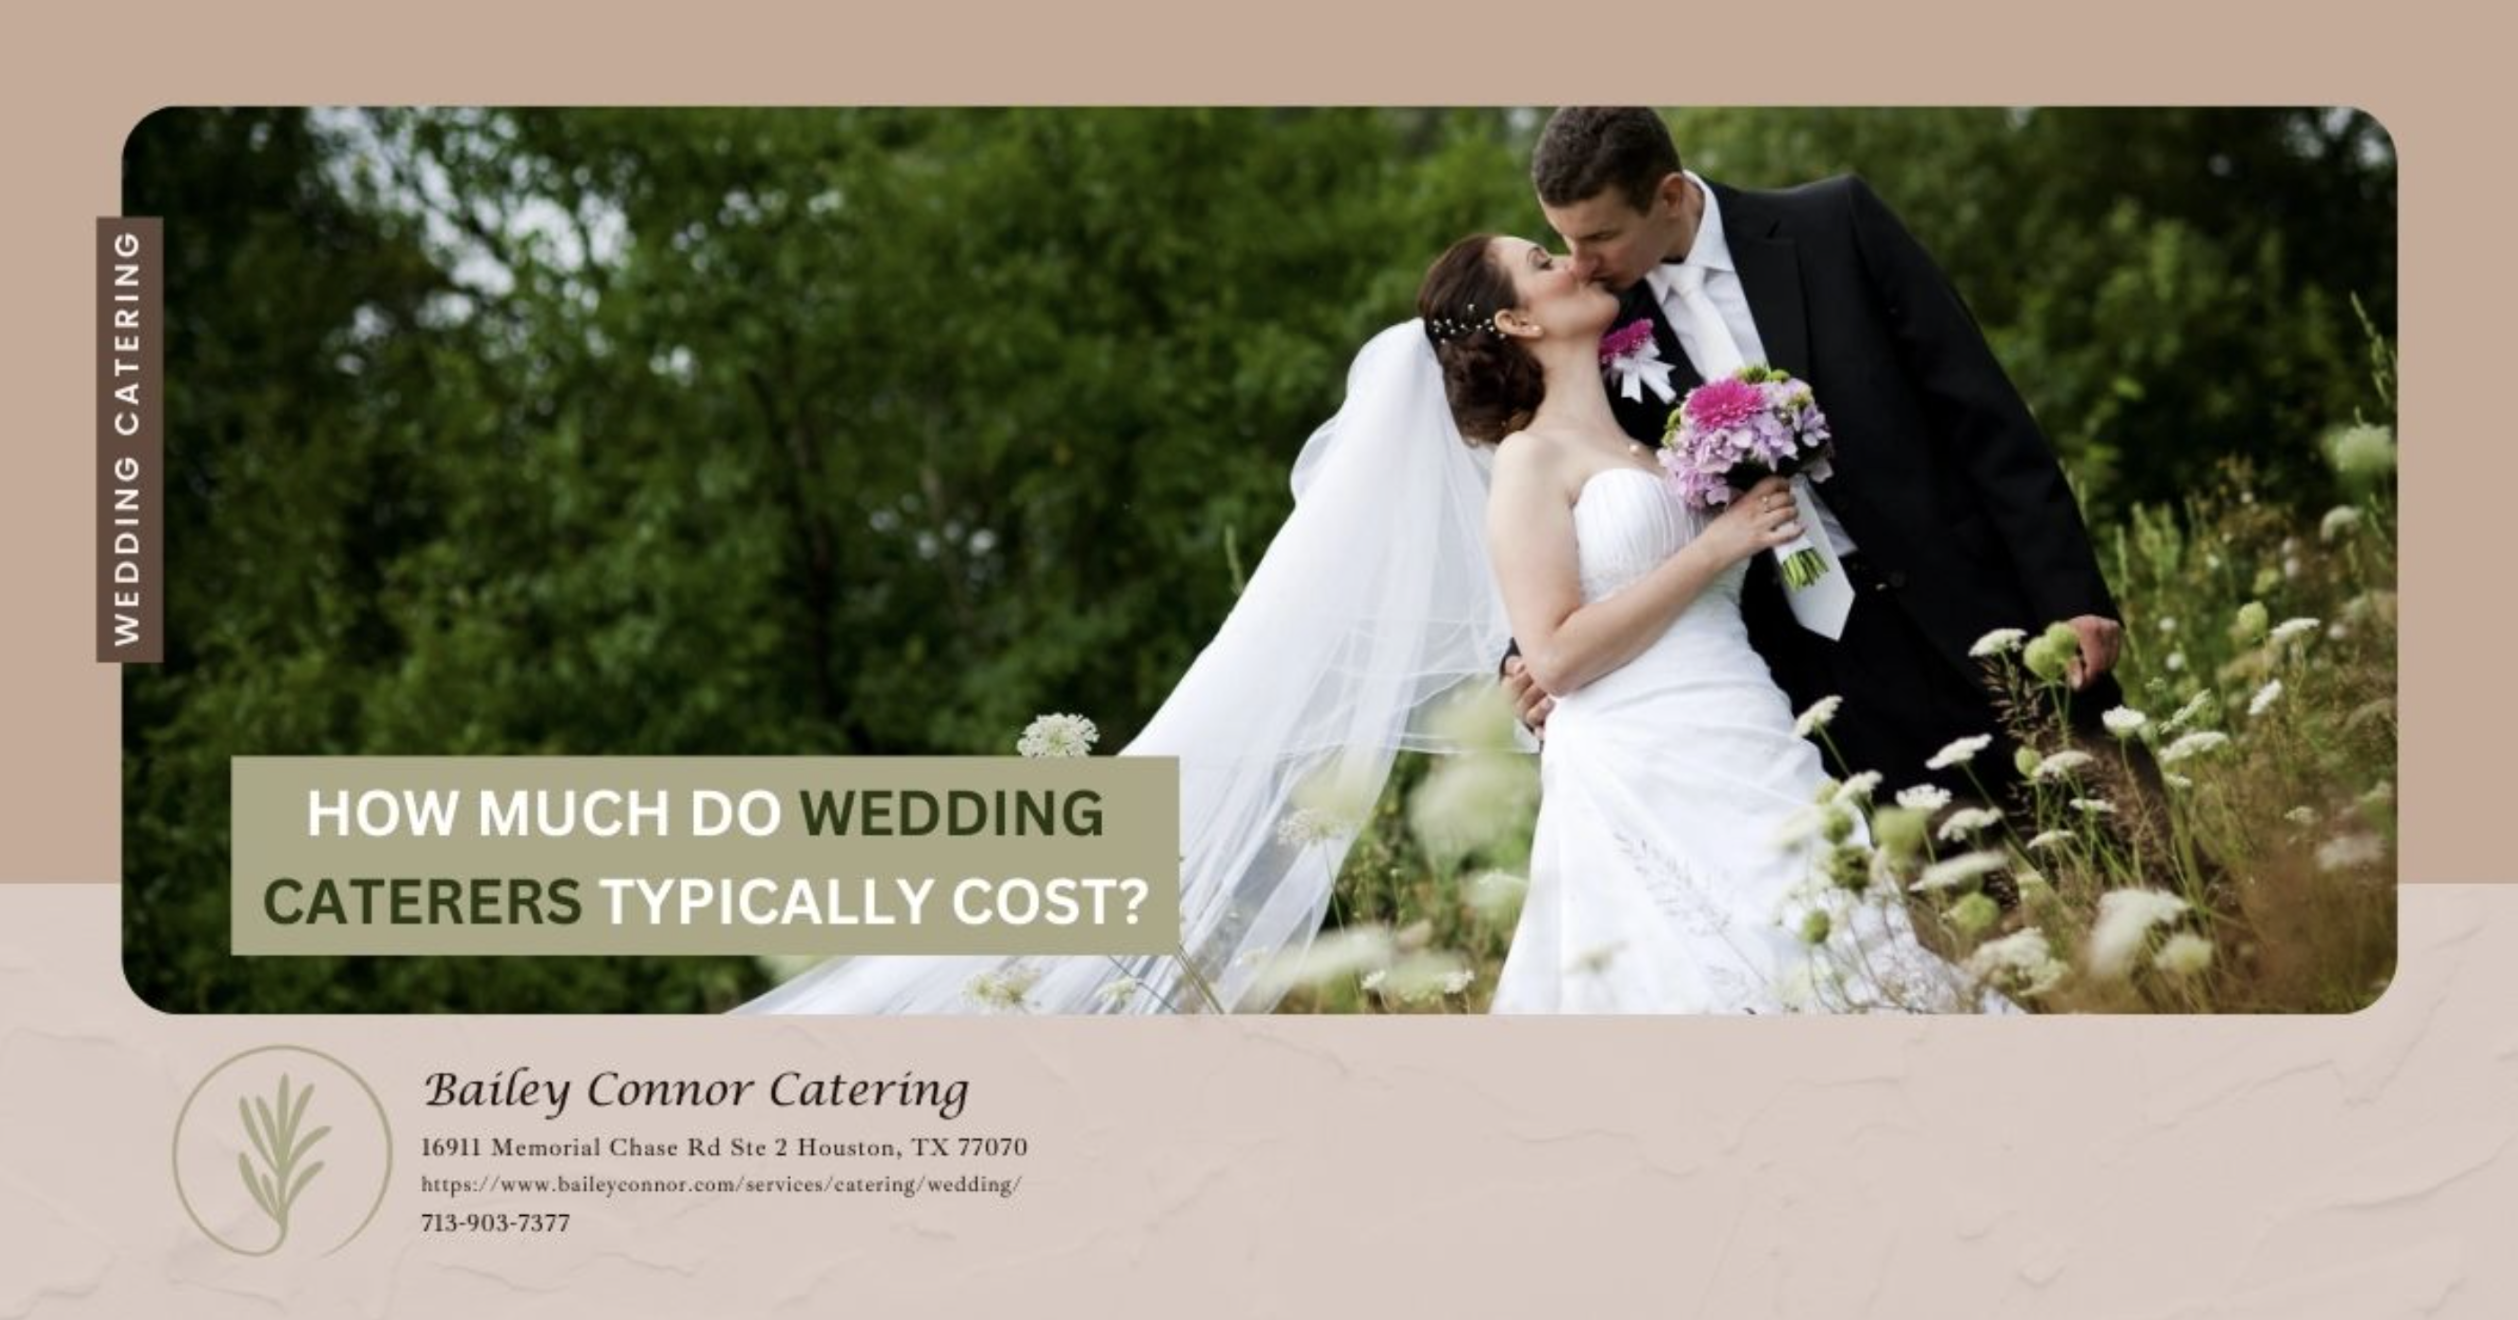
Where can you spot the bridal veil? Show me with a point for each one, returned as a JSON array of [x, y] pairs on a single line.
[[1373, 604]]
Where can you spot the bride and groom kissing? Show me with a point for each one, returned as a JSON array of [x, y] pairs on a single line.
[[1652, 646]]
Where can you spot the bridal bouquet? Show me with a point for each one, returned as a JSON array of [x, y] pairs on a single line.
[[1729, 434]]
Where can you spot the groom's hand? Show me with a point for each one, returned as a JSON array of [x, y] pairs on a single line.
[[2101, 638], [1531, 704]]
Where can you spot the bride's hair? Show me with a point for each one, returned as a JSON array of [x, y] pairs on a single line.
[[1493, 384]]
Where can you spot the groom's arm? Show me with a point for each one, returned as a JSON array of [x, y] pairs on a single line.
[[1972, 405]]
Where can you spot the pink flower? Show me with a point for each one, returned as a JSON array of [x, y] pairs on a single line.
[[1721, 404], [1624, 341]]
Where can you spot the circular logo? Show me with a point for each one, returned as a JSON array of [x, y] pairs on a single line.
[[282, 1147]]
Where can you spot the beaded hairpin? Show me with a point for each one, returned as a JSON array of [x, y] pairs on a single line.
[[1449, 328]]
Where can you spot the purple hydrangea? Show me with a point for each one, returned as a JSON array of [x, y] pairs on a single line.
[[1727, 434]]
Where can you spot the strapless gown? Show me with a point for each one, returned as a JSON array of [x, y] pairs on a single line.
[[1657, 881]]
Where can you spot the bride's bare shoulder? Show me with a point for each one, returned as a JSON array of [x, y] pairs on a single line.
[[1531, 462]]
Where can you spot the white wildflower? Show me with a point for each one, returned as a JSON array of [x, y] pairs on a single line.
[[1119, 992], [2194, 709], [2364, 452], [2290, 628], [2301, 815], [2124, 721], [2193, 744], [2175, 780], [1858, 788], [1472, 803], [1348, 951], [1057, 736], [1479, 719], [1374, 979], [1960, 870], [1959, 753], [2168, 625], [1966, 821], [2020, 963], [1004, 990], [1923, 797], [2094, 806], [2062, 764], [2265, 697], [2185, 954], [1495, 894], [2001, 641], [2351, 852], [1458, 982], [2051, 839], [2341, 520], [1816, 717], [2176, 661], [1803, 825], [1309, 825], [2125, 919]]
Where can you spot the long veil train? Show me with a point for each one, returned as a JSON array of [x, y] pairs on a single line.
[[1374, 601]]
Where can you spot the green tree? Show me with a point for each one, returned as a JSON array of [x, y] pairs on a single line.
[[876, 431]]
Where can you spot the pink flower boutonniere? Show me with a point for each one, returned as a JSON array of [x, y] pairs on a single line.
[[1632, 362]]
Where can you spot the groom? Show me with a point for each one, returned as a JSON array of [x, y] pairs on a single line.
[[1948, 506]]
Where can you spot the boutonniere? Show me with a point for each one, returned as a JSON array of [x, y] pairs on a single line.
[[1632, 362]]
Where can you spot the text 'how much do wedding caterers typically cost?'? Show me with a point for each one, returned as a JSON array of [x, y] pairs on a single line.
[[589, 855]]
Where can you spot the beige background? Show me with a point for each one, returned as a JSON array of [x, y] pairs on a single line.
[[2104, 1168]]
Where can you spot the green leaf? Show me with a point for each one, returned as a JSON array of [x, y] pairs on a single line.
[[245, 1112], [245, 1168], [303, 1179], [308, 1144], [297, 1118]]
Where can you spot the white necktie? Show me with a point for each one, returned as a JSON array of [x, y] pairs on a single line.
[[1709, 342], [1821, 606]]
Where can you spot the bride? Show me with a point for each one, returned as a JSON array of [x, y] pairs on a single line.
[[1661, 880], [1672, 764]]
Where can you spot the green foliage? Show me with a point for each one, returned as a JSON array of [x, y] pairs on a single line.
[[877, 431]]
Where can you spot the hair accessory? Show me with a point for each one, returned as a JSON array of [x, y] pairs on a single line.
[[1447, 328]]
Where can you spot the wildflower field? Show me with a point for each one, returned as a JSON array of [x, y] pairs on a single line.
[[2257, 873]]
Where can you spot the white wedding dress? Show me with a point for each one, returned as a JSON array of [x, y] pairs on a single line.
[[1657, 883], [1658, 879]]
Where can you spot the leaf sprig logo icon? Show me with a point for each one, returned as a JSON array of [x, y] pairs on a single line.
[[273, 1087], [273, 1127]]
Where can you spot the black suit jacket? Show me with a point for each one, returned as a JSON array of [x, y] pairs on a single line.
[[1942, 477]]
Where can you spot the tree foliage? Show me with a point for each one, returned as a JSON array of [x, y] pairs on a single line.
[[867, 431]]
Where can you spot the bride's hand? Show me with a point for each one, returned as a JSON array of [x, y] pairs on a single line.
[[1760, 518]]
